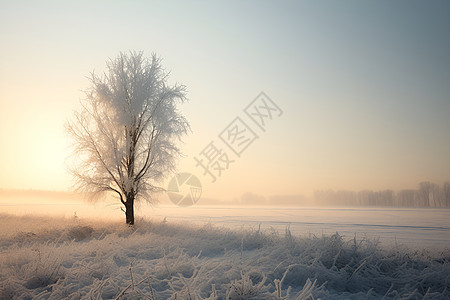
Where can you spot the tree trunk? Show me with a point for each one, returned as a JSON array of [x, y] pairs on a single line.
[[129, 211]]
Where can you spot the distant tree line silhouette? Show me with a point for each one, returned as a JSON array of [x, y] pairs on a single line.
[[426, 195]]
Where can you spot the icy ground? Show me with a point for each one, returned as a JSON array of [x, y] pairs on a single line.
[[51, 258], [416, 228]]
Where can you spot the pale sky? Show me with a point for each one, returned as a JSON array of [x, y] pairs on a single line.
[[364, 86]]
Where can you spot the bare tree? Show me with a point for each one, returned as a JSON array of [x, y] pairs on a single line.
[[424, 193], [435, 195], [125, 137], [406, 198], [446, 194]]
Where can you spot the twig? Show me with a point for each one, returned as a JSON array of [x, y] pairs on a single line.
[[151, 289], [131, 276], [125, 289]]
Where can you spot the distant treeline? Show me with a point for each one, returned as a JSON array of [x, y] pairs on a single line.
[[426, 195]]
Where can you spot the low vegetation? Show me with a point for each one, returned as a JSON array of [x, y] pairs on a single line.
[[82, 259]]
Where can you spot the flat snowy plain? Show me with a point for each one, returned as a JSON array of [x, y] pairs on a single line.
[[223, 253]]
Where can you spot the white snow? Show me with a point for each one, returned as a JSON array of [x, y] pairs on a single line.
[[77, 258]]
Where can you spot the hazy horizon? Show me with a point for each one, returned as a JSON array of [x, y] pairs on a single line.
[[437, 196]]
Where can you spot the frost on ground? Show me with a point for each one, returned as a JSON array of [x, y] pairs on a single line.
[[49, 258]]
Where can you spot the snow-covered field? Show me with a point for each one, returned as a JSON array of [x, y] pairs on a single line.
[[79, 258], [414, 227]]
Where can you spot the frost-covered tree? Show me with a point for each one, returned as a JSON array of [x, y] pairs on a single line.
[[125, 136]]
